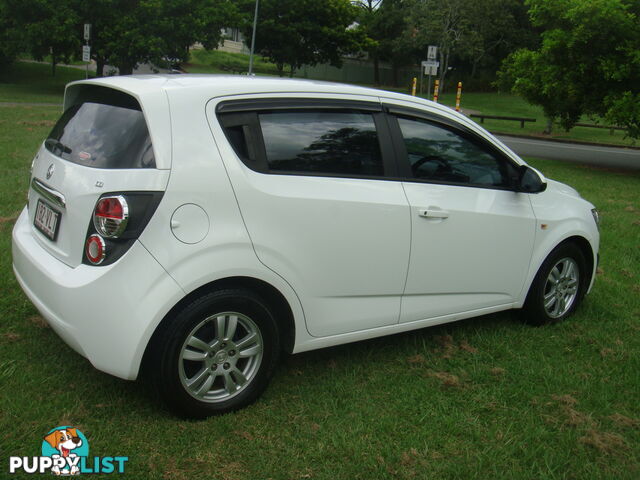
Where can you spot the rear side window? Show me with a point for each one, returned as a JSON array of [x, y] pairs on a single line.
[[105, 128], [321, 142]]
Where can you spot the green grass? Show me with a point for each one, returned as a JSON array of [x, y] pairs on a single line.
[[33, 83], [513, 106], [483, 398], [212, 61]]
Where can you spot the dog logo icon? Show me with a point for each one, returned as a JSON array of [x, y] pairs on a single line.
[[65, 446], [65, 451]]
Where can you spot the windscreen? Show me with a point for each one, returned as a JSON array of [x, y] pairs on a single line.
[[104, 128]]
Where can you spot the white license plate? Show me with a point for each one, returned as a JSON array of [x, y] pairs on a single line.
[[47, 220]]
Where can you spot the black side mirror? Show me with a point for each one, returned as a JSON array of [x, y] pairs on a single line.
[[530, 181]]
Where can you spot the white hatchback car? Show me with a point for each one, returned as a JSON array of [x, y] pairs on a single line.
[[193, 227]]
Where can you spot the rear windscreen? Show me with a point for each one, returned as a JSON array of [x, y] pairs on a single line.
[[104, 128]]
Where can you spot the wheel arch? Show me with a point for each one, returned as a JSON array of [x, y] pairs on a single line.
[[587, 251], [273, 296]]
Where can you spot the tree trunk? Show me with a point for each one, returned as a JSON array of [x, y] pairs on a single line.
[[444, 67], [99, 66], [395, 69], [474, 67], [549, 126], [280, 68], [53, 64], [125, 69], [376, 69], [291, 71]]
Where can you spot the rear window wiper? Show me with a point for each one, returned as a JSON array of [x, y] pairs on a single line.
[[54, 146]]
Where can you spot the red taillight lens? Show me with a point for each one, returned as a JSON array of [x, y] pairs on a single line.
[[95, 249], [110, 207], [111, 215]]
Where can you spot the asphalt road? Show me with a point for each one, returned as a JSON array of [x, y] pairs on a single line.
[[612, 157]]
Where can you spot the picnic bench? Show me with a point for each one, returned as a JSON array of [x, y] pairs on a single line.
[[500, 117]]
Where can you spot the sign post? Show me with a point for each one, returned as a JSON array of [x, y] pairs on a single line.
[[430, 68], [431, 65], [86, 49]]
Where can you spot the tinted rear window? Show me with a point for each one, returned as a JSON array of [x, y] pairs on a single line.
[[342, 143], [104, 129]]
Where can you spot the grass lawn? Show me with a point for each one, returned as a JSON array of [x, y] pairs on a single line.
[[483, 398], [33, 83], [213, 61], [513, 106]]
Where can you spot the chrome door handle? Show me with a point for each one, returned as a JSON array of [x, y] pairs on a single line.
[[432, 213]]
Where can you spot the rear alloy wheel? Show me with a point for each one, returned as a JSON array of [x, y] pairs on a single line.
[[217, 355], [558, 287], [220, 356]]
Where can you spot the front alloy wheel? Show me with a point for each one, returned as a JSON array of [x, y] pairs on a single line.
[[558, 287], [561, 288]]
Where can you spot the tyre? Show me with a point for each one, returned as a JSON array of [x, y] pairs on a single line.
[[217, 354], [558, 287]]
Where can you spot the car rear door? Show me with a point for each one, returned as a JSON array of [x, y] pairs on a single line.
[[312, 181]]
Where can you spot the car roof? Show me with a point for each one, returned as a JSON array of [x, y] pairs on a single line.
[[223, 85]]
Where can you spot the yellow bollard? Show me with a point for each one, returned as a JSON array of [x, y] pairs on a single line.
[[458, 95], [436, 89], [413, 86]]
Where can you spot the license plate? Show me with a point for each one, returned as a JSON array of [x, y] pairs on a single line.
[[47, 220]]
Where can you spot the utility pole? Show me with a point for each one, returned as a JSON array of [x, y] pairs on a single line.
[[253, 38]]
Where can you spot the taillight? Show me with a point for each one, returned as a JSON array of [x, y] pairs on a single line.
[[116, 222], [111, 216], [95, 249]]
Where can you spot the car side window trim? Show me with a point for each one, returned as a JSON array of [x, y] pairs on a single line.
[[404, 167], [244, 113], [228, 106]]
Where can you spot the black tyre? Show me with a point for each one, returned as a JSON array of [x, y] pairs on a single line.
[[217, 354], [558, 287]]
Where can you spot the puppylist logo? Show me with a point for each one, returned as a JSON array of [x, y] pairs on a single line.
[[65, 451]]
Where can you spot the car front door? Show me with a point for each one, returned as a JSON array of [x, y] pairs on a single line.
[[472, 234]]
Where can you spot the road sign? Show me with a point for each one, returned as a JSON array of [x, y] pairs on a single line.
[[86, 53], [432, 52], [87, 31], [430, 67]]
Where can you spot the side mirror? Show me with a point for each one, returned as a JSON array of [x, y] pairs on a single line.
[[530, 180]]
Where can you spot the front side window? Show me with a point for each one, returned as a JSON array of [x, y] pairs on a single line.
[[440, 154], [321, 142]]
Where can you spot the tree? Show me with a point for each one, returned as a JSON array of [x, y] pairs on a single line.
[[11, 42], [396, 35], [129, 32], [370, 17], [497, 28], [305, 32], [48, 27], [588, 62]]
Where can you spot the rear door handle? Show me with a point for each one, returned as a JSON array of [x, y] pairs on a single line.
[[433, 213]]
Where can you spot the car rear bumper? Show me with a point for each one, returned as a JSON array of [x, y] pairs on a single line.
[[107, 314]]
